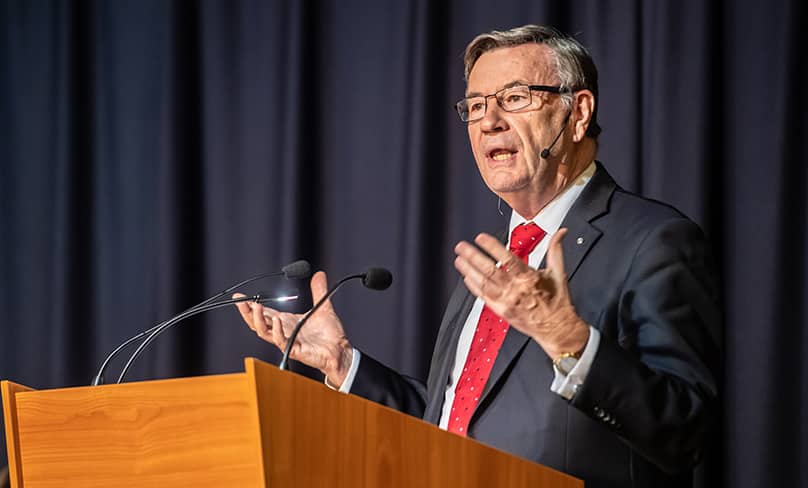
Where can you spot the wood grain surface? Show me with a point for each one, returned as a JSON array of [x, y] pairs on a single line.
[[9, 391], [262, 428], [314, 436], [184, 432]]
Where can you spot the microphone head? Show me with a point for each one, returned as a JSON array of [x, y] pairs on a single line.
[[299, 270], [545, 153], [377, 278]]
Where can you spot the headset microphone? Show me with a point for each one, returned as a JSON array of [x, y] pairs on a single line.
[[545, 153]]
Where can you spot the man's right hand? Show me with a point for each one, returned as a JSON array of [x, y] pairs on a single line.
[[321, 343]]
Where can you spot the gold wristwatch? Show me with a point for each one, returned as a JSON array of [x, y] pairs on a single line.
[[567, 361]]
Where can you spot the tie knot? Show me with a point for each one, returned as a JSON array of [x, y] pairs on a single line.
[[525, 238]]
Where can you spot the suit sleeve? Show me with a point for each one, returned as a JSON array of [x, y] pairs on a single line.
[[655, 384], [378, 383]]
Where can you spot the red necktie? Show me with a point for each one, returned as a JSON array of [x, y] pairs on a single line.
[[488, 338]]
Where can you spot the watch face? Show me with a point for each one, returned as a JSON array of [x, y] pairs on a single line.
[[565, 365]]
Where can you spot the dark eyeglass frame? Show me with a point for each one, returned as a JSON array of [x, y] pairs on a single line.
[[462, 105]]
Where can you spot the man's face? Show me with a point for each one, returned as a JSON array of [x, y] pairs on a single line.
[[507, 145]]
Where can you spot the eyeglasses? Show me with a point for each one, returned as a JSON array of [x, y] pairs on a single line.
[[510, 99]]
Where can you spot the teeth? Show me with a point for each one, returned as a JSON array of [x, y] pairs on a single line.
[[501, 156]]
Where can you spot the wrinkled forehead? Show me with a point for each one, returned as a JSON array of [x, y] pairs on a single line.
[[530, 64]]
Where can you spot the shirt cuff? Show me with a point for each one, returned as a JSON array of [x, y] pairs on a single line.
[[349, 378], [568, 385]]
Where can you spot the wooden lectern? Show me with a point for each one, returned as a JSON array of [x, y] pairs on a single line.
[[260, 428]]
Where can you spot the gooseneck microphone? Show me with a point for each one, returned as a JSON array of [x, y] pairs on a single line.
[[373, 278], [296, 270], [545, 153], [190, 313]]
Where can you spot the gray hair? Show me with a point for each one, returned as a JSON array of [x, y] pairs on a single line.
[[574, 65]]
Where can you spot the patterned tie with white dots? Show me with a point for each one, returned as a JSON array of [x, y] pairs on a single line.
[[488, 338]]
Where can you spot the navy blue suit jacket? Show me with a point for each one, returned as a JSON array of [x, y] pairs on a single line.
[[639, 272]]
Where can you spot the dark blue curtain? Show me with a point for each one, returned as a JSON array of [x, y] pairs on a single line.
[[154, 152]]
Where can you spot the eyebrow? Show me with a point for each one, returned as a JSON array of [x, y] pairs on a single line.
[[507, 85]]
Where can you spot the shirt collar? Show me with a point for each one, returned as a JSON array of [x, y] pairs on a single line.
[[550, 217]]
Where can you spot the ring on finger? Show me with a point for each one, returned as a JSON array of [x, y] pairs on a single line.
[[505, 265]]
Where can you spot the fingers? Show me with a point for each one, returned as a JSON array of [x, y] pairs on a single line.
[[478, 270], [555, 253], [476, 260], [277, 335], [506, 260], [268, 327], [319, 287], [481, 274], [493, 247], [256, 316], [472, 263], [245, 310], [259, 324]]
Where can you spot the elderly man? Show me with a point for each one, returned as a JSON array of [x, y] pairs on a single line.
[[602, 362]]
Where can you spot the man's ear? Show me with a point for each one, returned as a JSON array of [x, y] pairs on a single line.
[[583, 107]]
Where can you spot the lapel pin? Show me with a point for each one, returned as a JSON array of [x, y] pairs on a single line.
[[579, 241]]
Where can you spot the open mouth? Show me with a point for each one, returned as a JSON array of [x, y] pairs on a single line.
[[501, 154]]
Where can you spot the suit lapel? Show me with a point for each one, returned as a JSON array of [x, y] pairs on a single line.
[[581, 233], [513, 344], [446, 348], [581, 236], [457, 312]]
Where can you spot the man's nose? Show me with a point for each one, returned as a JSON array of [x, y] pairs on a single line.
[[493, 120]]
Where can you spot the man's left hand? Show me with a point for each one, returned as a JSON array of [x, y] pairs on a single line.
[[534, 302]]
